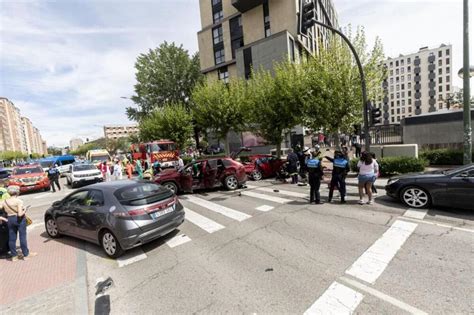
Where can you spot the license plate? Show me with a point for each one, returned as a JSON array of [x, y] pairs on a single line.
[[160, 213]]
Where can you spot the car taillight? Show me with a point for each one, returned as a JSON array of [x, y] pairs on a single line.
[[147, 210]]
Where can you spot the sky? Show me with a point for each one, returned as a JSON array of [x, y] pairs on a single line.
[[67, 63]]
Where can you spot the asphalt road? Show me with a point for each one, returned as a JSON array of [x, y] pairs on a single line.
[[264, 249]]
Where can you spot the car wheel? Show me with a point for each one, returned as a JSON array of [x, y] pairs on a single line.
[[415, 197], [171, 186], [257, 175], [110, 244], [51, 227], [231, 182]]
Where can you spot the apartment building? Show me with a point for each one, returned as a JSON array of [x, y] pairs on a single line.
[[120, 131], [74, 144], [240, 35], [417, 83]]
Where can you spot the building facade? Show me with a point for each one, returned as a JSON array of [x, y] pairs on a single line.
[[74, 144], [240, 35], [417, 83], [120, 131]]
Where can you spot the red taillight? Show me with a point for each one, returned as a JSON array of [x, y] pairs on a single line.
[[147, 210]]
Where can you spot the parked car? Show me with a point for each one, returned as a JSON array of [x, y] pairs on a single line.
[[117, 215], [29, 177], [262, 166], [204, 174], [453, 188], [83, 173]]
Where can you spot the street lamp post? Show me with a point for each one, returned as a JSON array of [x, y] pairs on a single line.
[[466, 89], [362, 79]]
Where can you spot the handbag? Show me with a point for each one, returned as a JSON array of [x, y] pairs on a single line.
[[28, 220]]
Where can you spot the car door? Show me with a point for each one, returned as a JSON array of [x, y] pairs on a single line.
[[461, 189], [90, 215], [210, 173], [67, 210]]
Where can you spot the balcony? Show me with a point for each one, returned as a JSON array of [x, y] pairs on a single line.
[[245, 5]]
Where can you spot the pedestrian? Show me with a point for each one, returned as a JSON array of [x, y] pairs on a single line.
[[53, 176], [13, 206], [139, 169], [103, 170], [3, 224], [315, 174], [317, 151], [357, 145], [180, 163], [339, 173], [321, 139], [293, 166], [303, 156], [156, 167], [129, 170], [374, 189], [368, 170], [118, 171]]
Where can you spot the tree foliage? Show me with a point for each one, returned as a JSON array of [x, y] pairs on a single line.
[[54, 151], [164, 75], [12, 155], [171, 122]]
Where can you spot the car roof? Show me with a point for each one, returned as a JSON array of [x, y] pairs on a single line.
[[28, 165], [114, 185]]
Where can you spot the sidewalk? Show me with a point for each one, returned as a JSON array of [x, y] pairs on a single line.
[[54, 282]]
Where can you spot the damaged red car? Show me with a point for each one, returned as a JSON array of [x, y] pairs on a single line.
[[262, 165], [204, 174]]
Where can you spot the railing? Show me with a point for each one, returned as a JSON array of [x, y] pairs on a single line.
[[387, 134]]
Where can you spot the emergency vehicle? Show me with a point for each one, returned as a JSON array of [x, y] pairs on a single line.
[[163, 151]]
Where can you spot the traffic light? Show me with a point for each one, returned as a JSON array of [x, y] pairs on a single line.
[[307, 16], [375, 116]]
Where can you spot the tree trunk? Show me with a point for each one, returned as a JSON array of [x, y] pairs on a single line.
[[227, 145], [278, 149], [337, 143]]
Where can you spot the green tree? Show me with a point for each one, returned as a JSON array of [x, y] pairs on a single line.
[[164, 75], [170, 122], [220, 107], [12, 155], [54, 151]]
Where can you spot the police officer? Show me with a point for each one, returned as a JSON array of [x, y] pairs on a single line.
[[339, 173], [53, 176], [315, 173]]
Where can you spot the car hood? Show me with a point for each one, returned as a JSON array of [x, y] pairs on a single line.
[[27, 175], [88, 172], [419, 175]]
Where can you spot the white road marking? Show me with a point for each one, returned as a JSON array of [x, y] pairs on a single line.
[[34, 225], [228, 212], [204, 223], [264, 208], [283, 192], [438, 224], [337, 299], [265, 197], [178, 240], [373, 262], [415, 213], [401, 305], [42, 195], [131, 256]]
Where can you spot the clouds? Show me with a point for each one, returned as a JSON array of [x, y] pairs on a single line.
[[66, 64]]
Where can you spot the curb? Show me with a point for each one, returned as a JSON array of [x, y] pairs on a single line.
[[81, 303]]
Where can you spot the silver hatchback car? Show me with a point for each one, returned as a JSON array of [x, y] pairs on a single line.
[[116, 215]]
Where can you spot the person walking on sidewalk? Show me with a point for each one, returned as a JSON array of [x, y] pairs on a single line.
[[368, 170], [53, 176], [339, 173], [118, 171], [293, 166], [139, 169], [315, 173], [13, 206], [129, 169]]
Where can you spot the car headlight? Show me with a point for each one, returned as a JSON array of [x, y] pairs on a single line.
[[392, 181]]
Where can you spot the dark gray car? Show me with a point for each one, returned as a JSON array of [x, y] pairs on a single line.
[[116, 215]]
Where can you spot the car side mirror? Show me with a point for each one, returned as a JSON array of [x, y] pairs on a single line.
[[464, 175]]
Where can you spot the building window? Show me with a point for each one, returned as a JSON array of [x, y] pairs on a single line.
[[403, 94], [391, 96], [292, 49], [217, 12], [403, 78], [391, 80], [391, 63], [447, 88], [398, 87], [440, 88], [408, 60], [402, 62], [397, 63], [408, 68], [393, 111], [247, 62], [402, 70], [403, 104], [236, 34], [398, 103], [391, 72], [409, 85], [440, 53], [218, 16], [219, 56], [448, 70], [398, 94], [409, 77], [391, 88], [440, 80], [266, 18], [440, 62], [440, 71], [392, 103], [447, 52], [398, 79], [397, 71], [403, 110], [403, 86], [223, 74], [398, 111], [217, 35], [409, 93], [409, 103], [447, 61], [440, 105], [216, 2]]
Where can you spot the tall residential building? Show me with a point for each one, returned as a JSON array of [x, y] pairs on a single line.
[[417, 83], [74, 144], [120, 131], [238, 35], [28, 131]]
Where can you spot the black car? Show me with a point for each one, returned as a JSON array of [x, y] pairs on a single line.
[[116, 215], [453, 188]]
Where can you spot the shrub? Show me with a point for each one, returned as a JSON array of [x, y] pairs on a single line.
[[396, 165], [443, 157]]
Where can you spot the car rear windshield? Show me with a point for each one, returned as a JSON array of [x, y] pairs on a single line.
[[46, 164], [4, 174], [101, 158], [27, 170], [142, 194], [85, 167]]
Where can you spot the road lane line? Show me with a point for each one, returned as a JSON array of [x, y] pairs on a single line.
[[438, 224], [395, 302], [264, 208], [279, 191], [177, 240], [266, 197], [376, 258], [228, 212], [416, 213], [337, 299], [204, 223], [131, 256]]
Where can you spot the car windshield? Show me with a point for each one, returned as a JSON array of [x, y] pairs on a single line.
[[46, 164], [27, 170], [84, 167], [4, 173], [458, 170], [100, 158], [141, 194], [155, 147]]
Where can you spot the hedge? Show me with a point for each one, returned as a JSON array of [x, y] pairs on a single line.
[[396, 165], [443, 157]]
